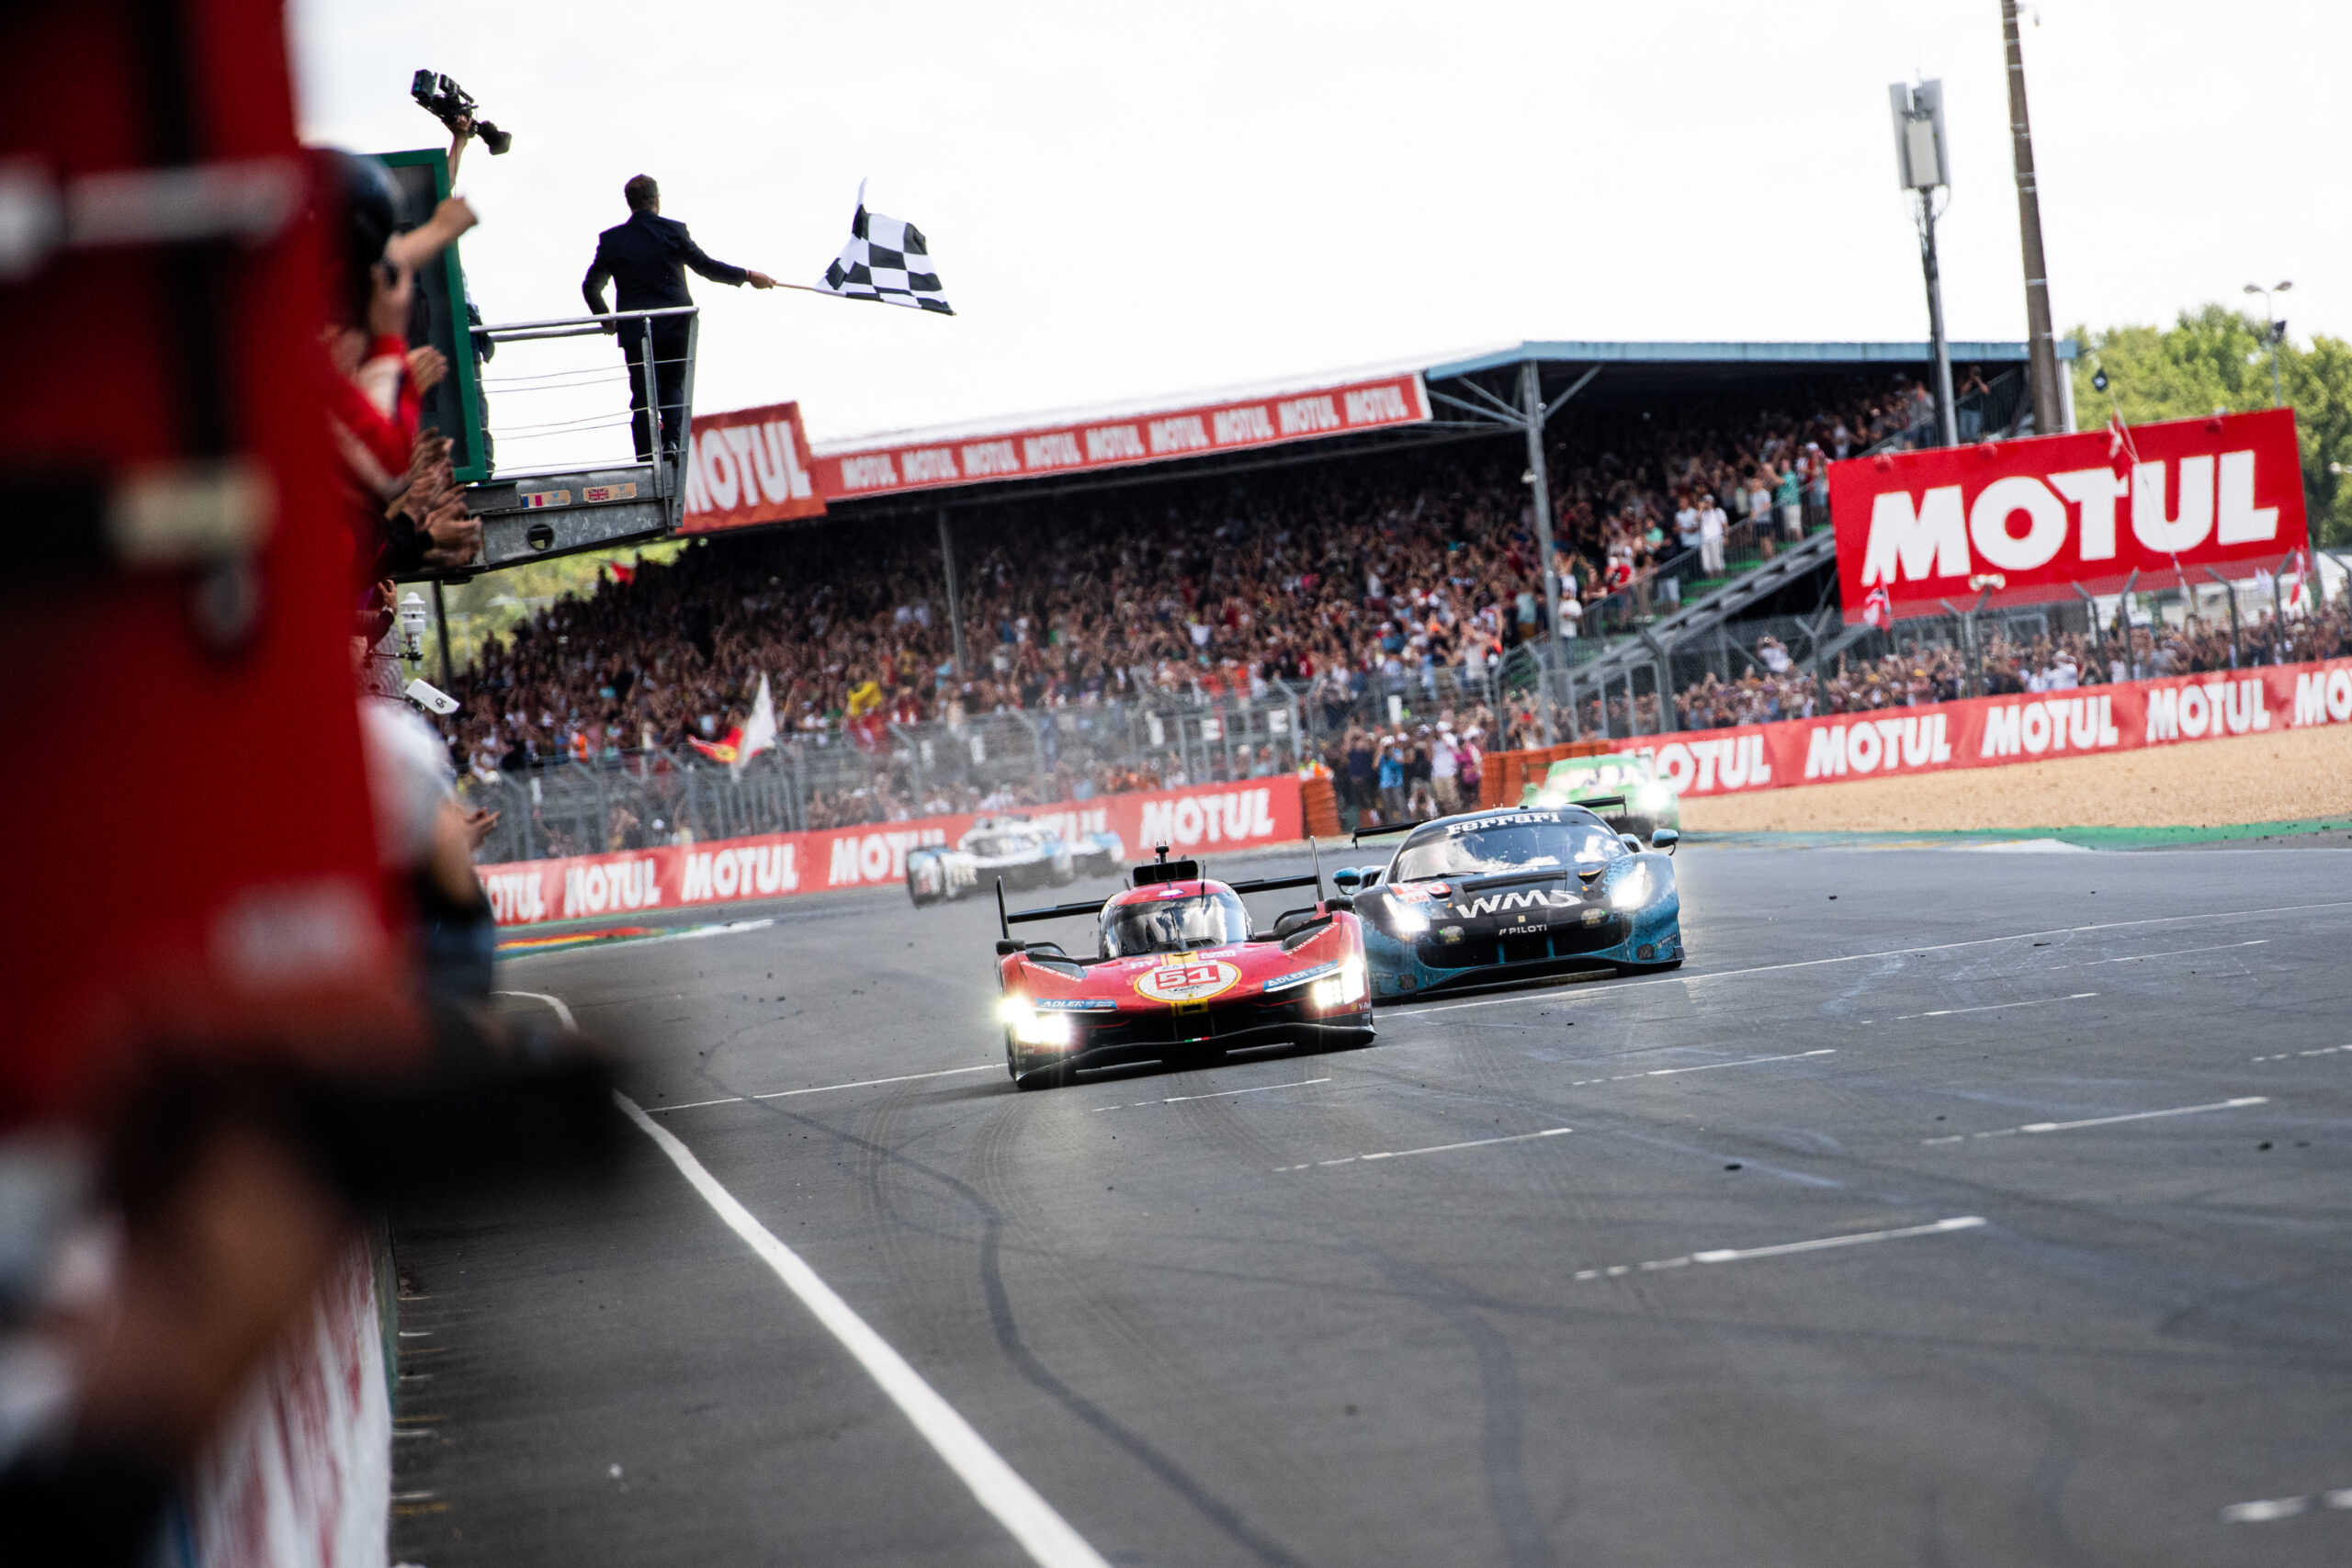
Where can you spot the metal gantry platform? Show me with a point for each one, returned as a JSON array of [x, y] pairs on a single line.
[[565, 509]]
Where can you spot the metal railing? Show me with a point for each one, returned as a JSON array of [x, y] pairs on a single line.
[[565, 406]]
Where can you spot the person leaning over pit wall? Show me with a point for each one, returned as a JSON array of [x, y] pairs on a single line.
[[405, 509]]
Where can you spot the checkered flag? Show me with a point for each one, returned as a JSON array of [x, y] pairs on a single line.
[[885, 259]]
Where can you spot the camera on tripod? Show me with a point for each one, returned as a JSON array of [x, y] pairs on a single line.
[[448, 103]]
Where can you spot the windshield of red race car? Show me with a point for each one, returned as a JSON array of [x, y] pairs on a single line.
[[1174, 925], [1528, 840]]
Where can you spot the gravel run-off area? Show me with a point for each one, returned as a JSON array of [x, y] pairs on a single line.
[[2282, 776]]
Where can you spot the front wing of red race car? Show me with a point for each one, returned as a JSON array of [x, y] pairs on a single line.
[[1307, 989]]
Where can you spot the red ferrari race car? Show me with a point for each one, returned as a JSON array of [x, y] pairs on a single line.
[[1180, 972]]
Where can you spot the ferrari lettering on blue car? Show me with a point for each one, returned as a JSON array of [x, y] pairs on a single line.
[[1516, 820]]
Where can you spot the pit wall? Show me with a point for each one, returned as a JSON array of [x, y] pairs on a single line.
[[1985, 732], [1201, 821], [300, 1475]]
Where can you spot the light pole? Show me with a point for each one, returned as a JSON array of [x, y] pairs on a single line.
[[2042, 364], [2276, 328]]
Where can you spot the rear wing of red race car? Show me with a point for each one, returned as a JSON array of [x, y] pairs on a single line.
[[1005, 922]]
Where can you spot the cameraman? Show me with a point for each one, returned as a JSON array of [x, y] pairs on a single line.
[[648, 257]]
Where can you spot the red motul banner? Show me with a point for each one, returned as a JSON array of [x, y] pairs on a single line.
[[1117, 443], [1202, 820], [748, 467], [2032, 519], [1987, 732]]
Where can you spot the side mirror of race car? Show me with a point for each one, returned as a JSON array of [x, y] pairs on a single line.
[[1665, 838], [1347, 879], [1005, 946]]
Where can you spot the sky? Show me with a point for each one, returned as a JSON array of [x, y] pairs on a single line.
[[1143, 201]]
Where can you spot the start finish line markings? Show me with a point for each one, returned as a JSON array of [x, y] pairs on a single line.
[[2291, 1056], [1703, 1067], [1432, 1149], [1784, 1249], [1995, 1007], [1221, 1094], [2269, 1508], [2104, 1121]]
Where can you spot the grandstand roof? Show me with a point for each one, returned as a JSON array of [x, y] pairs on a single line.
[[1824, 355], [1119, 443]]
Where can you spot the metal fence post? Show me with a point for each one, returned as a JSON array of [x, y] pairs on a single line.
[[2278, 608]]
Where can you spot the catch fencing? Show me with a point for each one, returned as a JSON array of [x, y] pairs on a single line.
[[1982, 732], [1209, 820]]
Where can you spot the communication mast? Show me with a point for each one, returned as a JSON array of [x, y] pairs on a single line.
[[1921, 162]]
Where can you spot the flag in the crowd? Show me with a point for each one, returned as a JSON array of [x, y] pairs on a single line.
[[2297, 604], [622, 571], [863, 719], [885, 259], [1878, 609], [723, 749], [757, 736], [743, 741]]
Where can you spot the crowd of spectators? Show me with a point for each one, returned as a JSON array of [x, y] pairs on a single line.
[[1415, 569], [1773, 685]]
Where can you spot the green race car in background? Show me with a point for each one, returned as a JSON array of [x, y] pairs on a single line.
[[1644, 804]]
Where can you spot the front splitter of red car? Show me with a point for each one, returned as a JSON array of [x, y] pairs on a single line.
[[1182, 1037]]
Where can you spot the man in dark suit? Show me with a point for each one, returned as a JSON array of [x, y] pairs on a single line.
[[648, 257]]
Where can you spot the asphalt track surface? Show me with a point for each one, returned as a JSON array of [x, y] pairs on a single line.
[[1235, 1315]]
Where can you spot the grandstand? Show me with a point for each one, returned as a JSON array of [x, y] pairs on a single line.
[[1177, 603]]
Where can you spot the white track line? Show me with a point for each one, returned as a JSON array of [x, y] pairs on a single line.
[[691, 933], [1995, 1007], [2168, 952], [1741, 1254], [2269, 1508], [2105, 1120], [563, 1013], [1553, 993], [820, 1088], [1043, 1533], [2291, 1056], [1221, 1094], [1432, 1149], [1706, 1067]]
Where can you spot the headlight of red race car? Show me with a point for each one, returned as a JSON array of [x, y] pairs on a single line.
[[1032, 1028], [1340, 990]]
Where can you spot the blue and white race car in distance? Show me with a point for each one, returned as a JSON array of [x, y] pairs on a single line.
[[1515, 894], [1021, 852]]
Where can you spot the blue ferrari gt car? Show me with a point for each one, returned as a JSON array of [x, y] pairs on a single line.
[[1515, 894]]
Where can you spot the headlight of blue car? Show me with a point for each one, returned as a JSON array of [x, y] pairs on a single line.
[[1405, 921], [1632, 890]]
